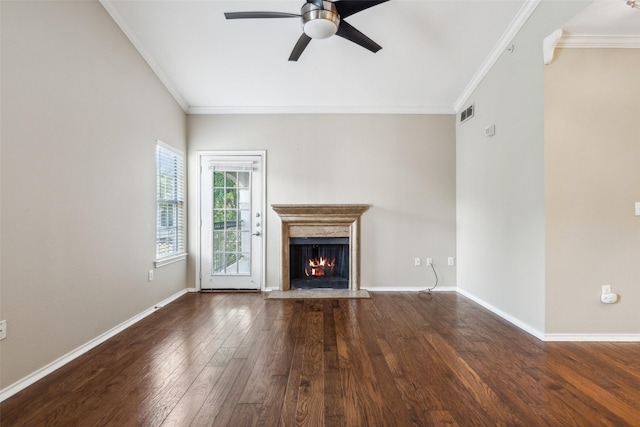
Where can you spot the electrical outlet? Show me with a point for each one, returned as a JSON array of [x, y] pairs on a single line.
[[429, 261], [3, 329], [151, 275], [417, 262], [450, 261], [606, 289]]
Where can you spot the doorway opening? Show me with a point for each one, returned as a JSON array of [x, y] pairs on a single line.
[[231, 204]]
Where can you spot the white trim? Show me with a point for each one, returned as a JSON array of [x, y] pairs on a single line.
[[509, 318], [551, 337], [263, 158], [170, 260], [318, 110], [135, 41], [182, 232], [593, 337], [58, 363], [521, 17], [549, 45], [599, 42], [170, 148], [407, 288]]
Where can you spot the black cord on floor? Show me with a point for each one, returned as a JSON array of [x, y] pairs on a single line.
[[428, 290]]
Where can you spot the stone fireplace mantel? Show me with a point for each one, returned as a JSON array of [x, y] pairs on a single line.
[[321, 221]]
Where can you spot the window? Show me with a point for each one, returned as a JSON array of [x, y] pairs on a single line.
[[170, 226]]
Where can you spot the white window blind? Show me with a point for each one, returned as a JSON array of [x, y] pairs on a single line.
[[170, 225]]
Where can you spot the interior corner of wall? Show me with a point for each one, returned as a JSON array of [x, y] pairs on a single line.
[[549, 45]]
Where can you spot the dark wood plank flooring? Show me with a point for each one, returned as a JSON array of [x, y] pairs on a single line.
[[397, 359]]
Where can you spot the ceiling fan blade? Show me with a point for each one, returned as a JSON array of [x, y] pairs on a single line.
[[317, 3], [302, 43], [349, 7], [254, 15], [347, 31]]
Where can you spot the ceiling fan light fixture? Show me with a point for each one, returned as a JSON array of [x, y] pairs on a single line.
[[320, 23], [320, 20], [320, 28]]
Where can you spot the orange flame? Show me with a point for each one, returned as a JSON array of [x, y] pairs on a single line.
[[319, 266]]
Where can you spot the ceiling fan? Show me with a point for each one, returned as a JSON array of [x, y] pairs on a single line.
[[321, 20]]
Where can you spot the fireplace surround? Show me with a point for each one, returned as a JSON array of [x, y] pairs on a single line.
[[321, 221]]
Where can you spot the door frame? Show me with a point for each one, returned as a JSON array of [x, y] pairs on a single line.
[[263, 172]]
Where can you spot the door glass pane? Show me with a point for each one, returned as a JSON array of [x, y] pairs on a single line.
[[231, 223], [245, 220], [244, 266]]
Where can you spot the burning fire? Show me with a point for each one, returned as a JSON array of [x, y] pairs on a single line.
[[320, 266]]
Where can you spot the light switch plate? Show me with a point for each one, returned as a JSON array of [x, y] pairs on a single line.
[[637, 208]]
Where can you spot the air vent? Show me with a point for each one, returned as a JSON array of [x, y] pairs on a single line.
[[466, 114]]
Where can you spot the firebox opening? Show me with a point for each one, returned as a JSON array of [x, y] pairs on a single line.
[[319, 262]]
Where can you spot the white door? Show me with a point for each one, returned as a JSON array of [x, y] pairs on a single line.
[[231, 221]]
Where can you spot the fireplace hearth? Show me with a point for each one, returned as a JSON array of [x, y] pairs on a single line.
[[320, 246]]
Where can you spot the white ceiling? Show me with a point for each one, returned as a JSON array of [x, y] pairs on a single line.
[[612, 19], [433, 53]]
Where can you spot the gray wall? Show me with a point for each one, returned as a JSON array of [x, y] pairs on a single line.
[[81, 112], [500, 180], [402, 165], [592, 171]]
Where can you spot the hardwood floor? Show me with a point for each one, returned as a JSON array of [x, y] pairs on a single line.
[[397, 359]]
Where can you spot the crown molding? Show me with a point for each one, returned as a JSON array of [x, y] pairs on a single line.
[[318, 110], [135, 41], [521, 17], [599, 42], [115, 14], [549, 45]]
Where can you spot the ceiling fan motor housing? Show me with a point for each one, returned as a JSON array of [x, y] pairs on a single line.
[[320, 23]]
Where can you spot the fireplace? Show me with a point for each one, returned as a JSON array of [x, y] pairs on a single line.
[[319, 262], [320, 246]]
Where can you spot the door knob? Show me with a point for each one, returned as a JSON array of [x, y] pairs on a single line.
[[257, 233]]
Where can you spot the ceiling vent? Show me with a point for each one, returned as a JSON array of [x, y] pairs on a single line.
[[466, 114]]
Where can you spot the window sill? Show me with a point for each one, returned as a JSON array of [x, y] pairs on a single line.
[[170, 260]]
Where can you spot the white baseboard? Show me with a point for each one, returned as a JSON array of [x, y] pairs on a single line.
[[593, 337], [509, 318], [552, 337], [393, 289], [56, 364], [46, 370], [408, 288]]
